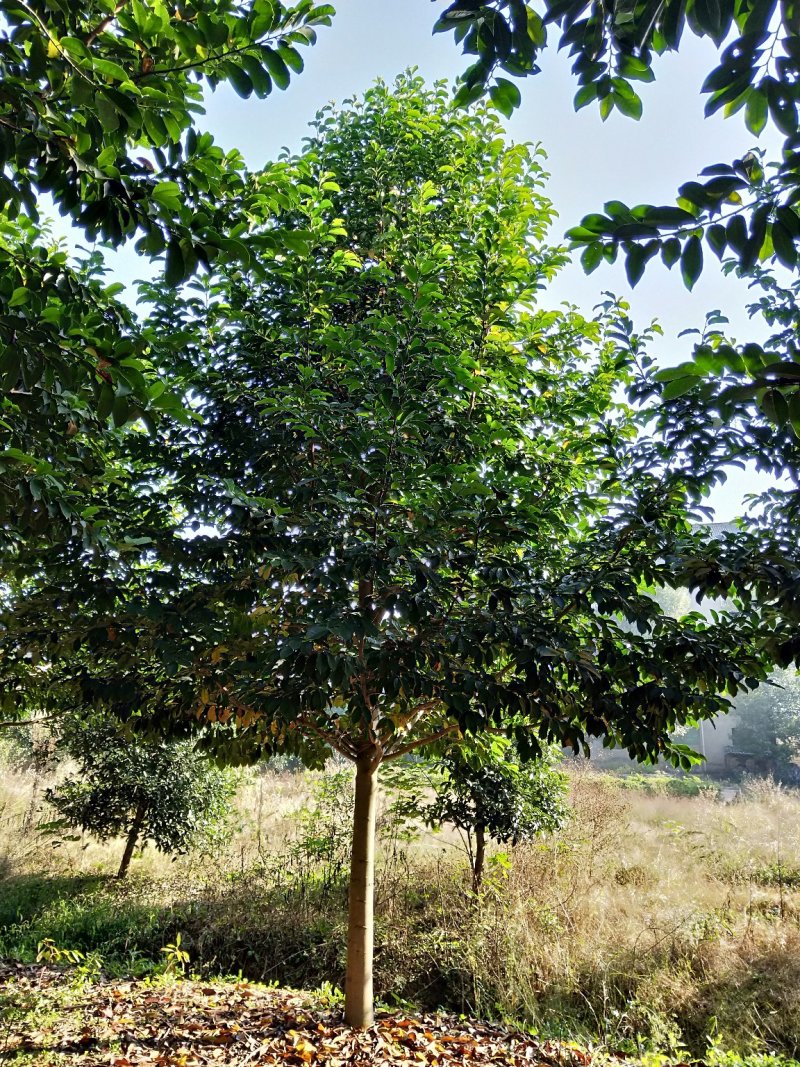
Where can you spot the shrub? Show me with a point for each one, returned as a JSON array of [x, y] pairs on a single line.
[[158, 791]]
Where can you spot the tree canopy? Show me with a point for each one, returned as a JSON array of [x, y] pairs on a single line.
[[416, 504]]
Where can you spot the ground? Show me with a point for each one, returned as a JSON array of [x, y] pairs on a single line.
[[53, 1019]]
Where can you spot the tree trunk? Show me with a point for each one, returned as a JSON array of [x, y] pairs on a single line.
[[480, 857], [133, 837], [358, 1003]]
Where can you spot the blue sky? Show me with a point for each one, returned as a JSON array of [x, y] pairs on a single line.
[[589, 161]]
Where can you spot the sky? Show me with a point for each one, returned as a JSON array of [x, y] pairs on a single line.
[[589, 161]]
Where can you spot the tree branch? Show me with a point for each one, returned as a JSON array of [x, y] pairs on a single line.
[[101, 27], [420, 742], [329, 739], [7, 723]]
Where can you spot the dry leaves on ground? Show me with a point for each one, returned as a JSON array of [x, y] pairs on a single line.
[[185, 1023]]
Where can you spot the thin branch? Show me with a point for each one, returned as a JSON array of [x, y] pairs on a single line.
[[330, 740], [27, 722], [195, 63], [420, 742], [101, 27]]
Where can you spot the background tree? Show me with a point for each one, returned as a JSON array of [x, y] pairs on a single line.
[[485, 794], [164, 792], [767, 722]]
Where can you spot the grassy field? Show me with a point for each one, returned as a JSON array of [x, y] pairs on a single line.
[[651, 923]]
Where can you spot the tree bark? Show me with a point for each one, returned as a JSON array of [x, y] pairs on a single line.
[[358, 996], [480, 858], [133, 837]]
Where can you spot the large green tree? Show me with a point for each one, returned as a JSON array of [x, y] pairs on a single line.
[[416, 506]]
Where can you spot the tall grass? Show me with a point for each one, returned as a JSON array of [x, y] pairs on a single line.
[[651, 921]]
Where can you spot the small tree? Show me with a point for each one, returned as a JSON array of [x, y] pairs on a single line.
[[488, 793], [164, 792]]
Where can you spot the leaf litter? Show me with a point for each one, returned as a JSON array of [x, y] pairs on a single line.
[[186, 1023]]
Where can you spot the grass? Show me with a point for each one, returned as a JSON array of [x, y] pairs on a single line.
[[655, 923]]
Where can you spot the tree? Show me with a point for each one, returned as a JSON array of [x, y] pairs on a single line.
[[416, 508], [165, 793], [767, 722], [485, 794]]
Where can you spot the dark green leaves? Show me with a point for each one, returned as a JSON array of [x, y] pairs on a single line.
[[691, 261]]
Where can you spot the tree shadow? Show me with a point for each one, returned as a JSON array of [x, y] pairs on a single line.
[[24, 896]]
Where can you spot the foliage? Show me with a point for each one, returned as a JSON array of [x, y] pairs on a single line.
[[416, 506], [170, 794], [615, 47], [98, 113], [326, 829], [746, 209], [767, 722], [88, 85], [659, 784]]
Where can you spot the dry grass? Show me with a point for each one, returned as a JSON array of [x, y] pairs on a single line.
[[648, 921]]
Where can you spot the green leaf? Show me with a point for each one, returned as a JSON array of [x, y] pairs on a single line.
[[755, 115], [716, 236], [505, 96], [278, 70], [794, 412], [668, 216], [174, 268], [736, 230], [692, 261], [784, 246], [291, 58], [678, 387], [585, 95], [671, 252], [239, 79], [20, 296], [168, 194], [775, 406], [782, 107], [591, 257]]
